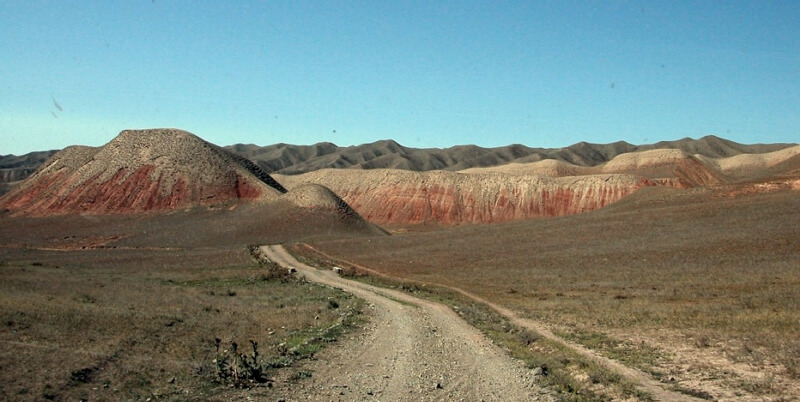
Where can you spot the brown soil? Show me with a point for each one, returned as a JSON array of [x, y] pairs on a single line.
[[126, 307], [696, 287]]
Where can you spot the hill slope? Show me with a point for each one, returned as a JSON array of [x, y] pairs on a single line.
[[296, 159], [140, 171], [391, 196], [538, 189], [157, 170], [14, 169]]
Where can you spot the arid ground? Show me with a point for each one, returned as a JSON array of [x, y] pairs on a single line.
[[158, 267], [698, 288], [129, 307]]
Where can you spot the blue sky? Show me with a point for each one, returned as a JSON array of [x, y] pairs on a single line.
[[426, 74]]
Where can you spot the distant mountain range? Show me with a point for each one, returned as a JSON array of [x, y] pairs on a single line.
[[289, 159], [161, 170], [296, 159]]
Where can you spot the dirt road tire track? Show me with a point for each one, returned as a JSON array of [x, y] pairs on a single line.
[[643, 381], [413, 349]]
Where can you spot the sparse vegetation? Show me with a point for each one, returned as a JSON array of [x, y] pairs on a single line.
[[574, 377], [239, 369], [140, 330], [661, 281], [698, 288], [640, 355]]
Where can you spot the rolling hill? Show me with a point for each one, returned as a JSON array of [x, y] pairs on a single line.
[[387, 154], [140, 171], [159, 171], [550, 187], [385, 182]]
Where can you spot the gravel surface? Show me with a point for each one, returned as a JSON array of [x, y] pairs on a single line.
[[412, 349]]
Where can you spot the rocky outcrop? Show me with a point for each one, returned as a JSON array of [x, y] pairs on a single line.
[[386, 196], [140, 171]]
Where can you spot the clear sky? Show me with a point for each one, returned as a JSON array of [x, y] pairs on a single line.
[[424, 73]]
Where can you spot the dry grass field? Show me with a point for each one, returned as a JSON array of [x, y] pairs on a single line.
[[700, 288], [697, 288], [130, 307], [145, 330]]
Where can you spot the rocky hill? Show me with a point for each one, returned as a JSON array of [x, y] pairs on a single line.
[[387, 154], [538, 189], [158, 170], [140, 171], [161, 170], [391, 196]]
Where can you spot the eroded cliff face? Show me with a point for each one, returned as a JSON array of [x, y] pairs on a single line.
[[402, 197]]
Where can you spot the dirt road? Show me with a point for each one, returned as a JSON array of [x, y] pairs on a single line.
[[413, 349], [643, 381]]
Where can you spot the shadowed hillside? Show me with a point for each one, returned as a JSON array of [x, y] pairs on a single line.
[[14, 169]]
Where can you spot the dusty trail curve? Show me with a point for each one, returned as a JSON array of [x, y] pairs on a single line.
[[644, 381], [413, 349]]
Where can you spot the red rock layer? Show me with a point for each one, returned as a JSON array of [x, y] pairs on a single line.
[[125, 192], [402, 197], [139, 171]]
